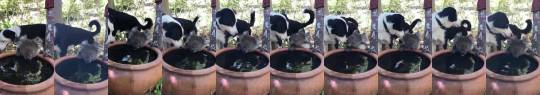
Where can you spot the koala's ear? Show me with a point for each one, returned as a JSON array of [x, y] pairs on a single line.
[[135, 29]]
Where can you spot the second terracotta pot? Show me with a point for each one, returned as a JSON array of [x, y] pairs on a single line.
[[178, 81], [64, 86], [126, 79], [230, 82], [393, 83], [447, 83], [337, 82], [304, 83], [501, 84]]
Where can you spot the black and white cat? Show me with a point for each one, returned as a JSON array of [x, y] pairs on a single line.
[[122, 22], [177, 29], [66, 36], [447, 18], [13, 34], [392, 26], [338, 28], [281, 27], [228, 26], [500, 29]]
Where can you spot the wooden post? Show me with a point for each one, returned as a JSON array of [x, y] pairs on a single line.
[[374, 7], [266, 27], [158, 35], [215, 6], [319, 26], [481, 37], [536, 26], [427, 48], [54, 15]]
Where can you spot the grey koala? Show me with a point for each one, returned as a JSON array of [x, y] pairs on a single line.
[[29, 48], [517, 47], [194, 43], [89, 51], [299, 40], [137, 38], [357, 40], [247, 43], [410, 41], [463, 44]]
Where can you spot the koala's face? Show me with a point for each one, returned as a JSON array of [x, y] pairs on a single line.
[[29, 48]]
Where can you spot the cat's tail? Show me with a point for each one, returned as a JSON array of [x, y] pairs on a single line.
[[96, 24], [252, 20], [311, 17], [148, 25], [526, 30]]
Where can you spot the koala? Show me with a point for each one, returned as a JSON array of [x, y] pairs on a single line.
[[247, 43], [298, 40], [195, 43], [410, 41], [29, 48], [89, 52], [517, 47], [138, 39], [463, 44], [357, 40]]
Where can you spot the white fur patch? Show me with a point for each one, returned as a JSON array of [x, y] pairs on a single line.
[[231, 29]]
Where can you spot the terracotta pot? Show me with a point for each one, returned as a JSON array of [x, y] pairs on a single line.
[[453, 84], [178, 81], [44, 88], [499, 84], [126, 79], [338, 83], [305, 83], [64, 86], [393, 83], [231, 82]]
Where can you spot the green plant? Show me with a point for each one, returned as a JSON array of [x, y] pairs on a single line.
[[193, 64], [137, 61], [157, 89], [246, 63], [298, 67], [283, 6], [179, 6], [233, 4], [409, 64], [124, 5], [33, 78], [394, 6], [448, 3], [357, 68], [9, 8], [94, 78], [71, 12], [502, 6], [339, 7]]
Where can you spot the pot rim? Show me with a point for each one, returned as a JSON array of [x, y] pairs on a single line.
[[361, 75], [469, 76], [525, 77], [419, 74], [139, 67], [312, 73], [256, 73], [176, 70], [62, 81], [44, 85]]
